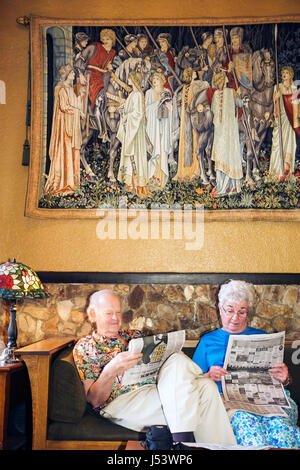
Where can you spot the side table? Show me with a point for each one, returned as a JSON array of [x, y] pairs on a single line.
[[14, 390]]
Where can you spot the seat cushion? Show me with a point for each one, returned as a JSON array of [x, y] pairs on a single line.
[[67, 399], [91, 428]]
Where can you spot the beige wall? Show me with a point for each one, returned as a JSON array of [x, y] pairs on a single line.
[[72, 245]]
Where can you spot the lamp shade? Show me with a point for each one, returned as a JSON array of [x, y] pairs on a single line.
[[18, 281]]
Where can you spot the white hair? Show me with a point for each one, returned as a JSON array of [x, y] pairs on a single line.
[[237, 291]]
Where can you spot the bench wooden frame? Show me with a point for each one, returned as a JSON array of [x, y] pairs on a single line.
[[38, 358]]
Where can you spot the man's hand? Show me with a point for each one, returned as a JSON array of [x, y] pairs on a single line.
[[123, 361]]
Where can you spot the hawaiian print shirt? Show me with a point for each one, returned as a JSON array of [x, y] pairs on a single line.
[[93, 352]]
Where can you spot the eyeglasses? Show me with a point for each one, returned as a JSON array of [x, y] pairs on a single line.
[[230, 312]]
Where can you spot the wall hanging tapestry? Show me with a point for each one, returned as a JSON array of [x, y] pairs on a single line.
[[158, 114]]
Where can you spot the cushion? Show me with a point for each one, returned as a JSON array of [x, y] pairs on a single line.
[[67, 399], [91, 428]]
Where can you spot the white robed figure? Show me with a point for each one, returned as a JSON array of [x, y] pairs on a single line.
[[158, 102], [287, 132], [64, 151], [226, 146], [132, 135]]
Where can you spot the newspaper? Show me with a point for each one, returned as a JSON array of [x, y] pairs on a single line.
[[248, 385], [156, 349]]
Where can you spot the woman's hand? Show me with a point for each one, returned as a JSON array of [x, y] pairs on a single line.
[[216, 373], [280, 371]]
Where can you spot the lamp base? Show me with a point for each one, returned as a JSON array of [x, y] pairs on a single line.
[[8, 356]]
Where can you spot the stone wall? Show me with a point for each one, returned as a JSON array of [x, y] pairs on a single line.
[[152, 308]]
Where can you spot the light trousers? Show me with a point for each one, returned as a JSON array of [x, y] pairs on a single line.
[[182, 399]]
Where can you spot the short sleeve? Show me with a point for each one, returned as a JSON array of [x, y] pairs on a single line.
[[88, 363], [200, 356]]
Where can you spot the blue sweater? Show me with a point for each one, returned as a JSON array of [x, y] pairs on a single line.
[[212, 349]]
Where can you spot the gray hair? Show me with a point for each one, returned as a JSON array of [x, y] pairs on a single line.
[[237, 291]]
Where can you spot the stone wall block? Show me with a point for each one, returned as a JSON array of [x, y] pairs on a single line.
[[127, 316], [169, 311], [84, 329], [26, 323], [64, 309], [283, 324], [291, 295], [297, 325], [174, 293], [262, 323], [202, 293], [297, 309], [153, 296], [135, 298], [50, 326], [272, 310], [77, 316], [67, 328], [36, 311], [188, 292], [274, 293], [138, 323], [206, 314]]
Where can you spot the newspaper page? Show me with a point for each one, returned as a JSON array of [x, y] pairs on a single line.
[[248, 385], [156, 349]]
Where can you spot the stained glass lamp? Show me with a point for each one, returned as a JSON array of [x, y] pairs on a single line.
[[17, 281]]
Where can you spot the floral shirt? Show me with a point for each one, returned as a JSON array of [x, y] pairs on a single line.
[[93, 352]]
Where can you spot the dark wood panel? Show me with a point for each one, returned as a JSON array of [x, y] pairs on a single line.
[[57, 277]]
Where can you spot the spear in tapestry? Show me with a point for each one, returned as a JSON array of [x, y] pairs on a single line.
[[198, 47], [278, 105], [123, 47], [157, 47], [194, 37]]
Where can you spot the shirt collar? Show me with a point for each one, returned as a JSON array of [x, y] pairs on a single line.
[[105, 339]]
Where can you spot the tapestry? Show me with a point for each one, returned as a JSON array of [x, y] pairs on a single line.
[[165, 115]]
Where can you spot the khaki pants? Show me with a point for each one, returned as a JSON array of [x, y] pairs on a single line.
[[183, 399]]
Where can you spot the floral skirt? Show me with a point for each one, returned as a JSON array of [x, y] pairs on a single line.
[[275, 431]]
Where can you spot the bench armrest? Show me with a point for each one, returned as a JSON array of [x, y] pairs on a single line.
[[38, 357]]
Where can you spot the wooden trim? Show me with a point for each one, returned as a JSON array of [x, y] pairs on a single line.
[[200, 21], [85, 445], [37, 358], [46, 347], [57, 277]]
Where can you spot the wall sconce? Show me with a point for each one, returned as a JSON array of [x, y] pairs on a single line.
[[17, 281]]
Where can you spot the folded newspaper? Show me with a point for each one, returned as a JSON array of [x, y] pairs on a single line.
[[156, 349], [248, 385]]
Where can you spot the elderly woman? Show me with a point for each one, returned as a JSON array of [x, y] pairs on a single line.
[[236, 299]]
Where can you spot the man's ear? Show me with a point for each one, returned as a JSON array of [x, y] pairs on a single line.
[[91, 314]]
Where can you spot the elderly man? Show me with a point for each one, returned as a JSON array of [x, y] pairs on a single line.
[[181, 397]]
